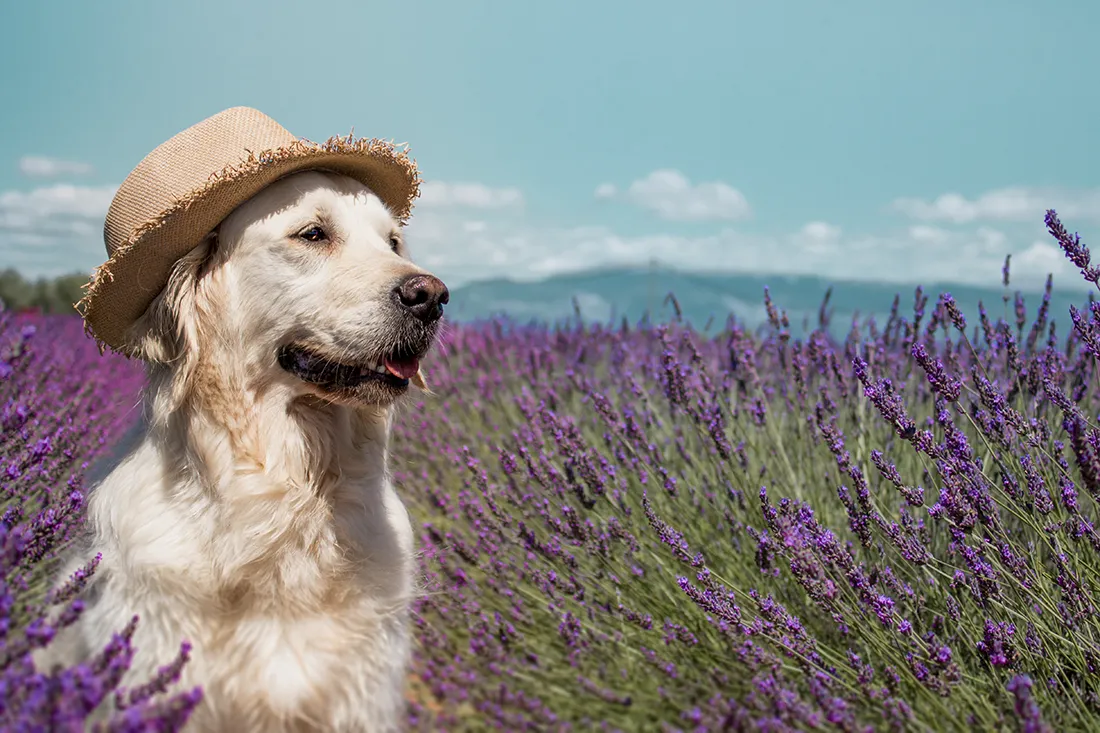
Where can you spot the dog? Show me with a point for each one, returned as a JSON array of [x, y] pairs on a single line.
[[251, 512]]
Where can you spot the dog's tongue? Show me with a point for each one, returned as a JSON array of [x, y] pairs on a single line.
[[403, 368]]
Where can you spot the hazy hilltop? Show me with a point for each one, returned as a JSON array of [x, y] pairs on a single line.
[[605, 295]]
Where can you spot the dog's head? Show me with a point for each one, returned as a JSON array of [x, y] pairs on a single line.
[[309, 285]]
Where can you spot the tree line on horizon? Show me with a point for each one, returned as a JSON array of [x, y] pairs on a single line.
[[48, 295]]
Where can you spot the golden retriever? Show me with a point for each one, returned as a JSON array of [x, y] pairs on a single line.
[[251, 513]]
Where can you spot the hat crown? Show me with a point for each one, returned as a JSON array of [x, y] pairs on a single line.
[[181, 191], [185, 163]]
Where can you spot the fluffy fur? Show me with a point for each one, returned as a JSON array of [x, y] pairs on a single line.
[[251, 512]]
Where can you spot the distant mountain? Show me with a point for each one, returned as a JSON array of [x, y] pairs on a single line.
[[608, 295]]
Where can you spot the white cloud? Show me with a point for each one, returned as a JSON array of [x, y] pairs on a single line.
[[821, 231], [673, 197], [909, 255], [819, 238], [53, 229], [1041, 257], [435, 194], [932, 235], [469, 231], [58, 210], [606, 191], [37, 166], [993, 239], [58, 201], [1005, 204]]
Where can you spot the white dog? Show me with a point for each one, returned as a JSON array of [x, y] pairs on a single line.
[[252, 515]]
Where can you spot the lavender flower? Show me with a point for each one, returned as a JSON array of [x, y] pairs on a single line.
[[596, 551]]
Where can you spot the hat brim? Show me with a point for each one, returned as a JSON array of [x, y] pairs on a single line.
[[122, 288]]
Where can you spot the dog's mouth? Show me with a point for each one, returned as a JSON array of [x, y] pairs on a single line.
[[393, 370]]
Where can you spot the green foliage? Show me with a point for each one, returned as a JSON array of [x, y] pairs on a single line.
[[56, 295]]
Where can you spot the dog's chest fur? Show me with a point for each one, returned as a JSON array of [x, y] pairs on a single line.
[[290, 576]]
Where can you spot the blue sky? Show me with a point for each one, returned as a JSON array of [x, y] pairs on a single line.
[[901, 141]]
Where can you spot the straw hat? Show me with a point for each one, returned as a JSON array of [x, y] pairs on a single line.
[[183, 189]]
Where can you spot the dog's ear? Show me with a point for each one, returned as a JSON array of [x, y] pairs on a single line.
[[419, 381], [168, 330]]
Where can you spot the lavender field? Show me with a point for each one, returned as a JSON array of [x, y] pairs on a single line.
[[651, 528]]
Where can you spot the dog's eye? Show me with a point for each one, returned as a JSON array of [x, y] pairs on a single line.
[[395, 242], [313, 234]]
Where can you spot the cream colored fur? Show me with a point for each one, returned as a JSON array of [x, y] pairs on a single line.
[[250, 514]]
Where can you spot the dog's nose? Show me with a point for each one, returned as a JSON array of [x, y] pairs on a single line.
[[422, 296]]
